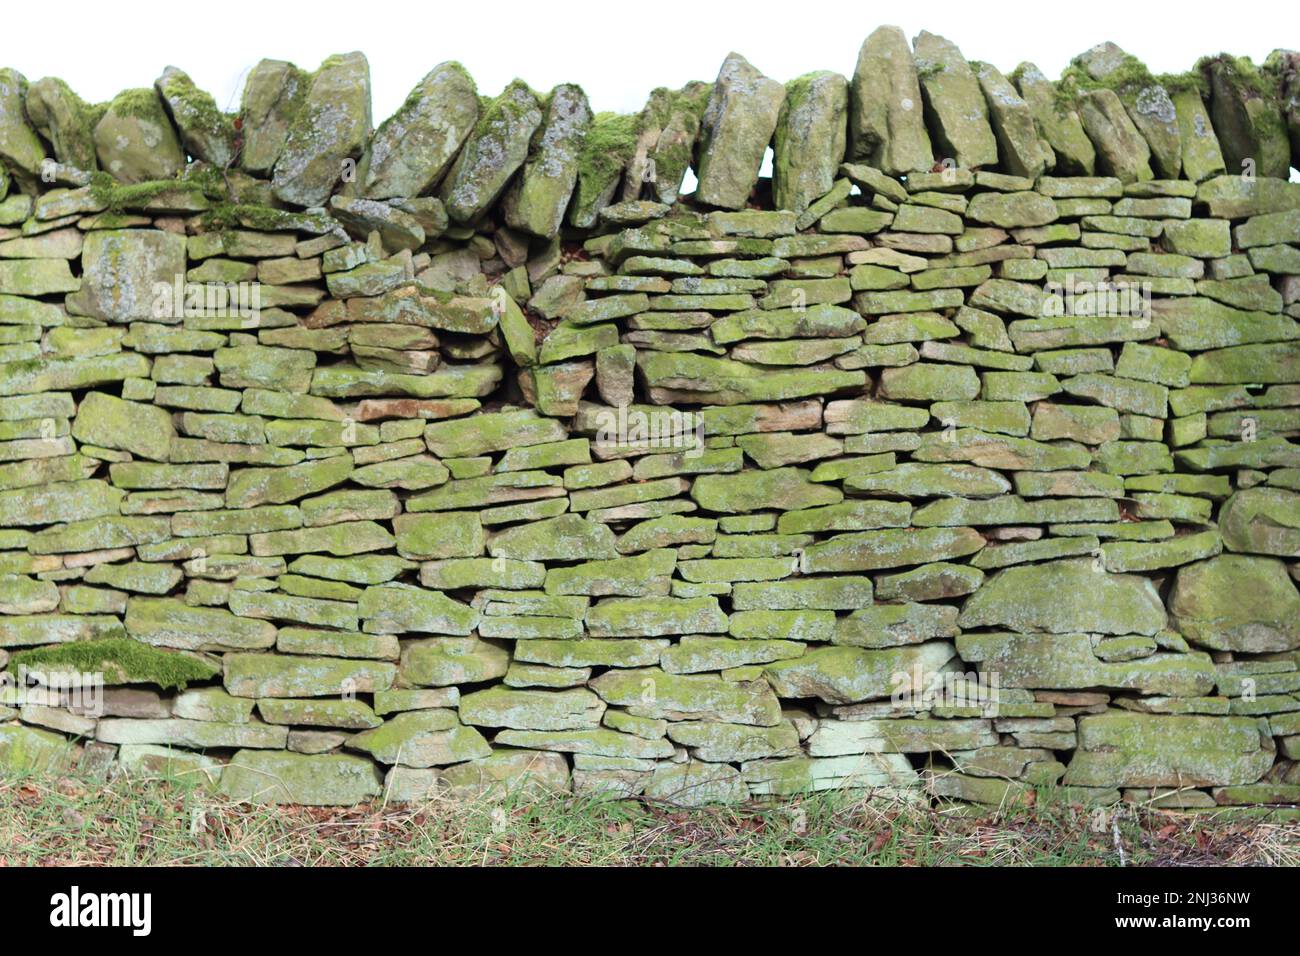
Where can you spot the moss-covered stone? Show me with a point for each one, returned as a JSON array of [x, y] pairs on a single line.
[[269, 675], [1022, 152], [1261, 521], [809, 139], [313, 780], [1072, 661], [1244, 107], [413, 149], [1150, 750], [958, 112], [1062, 597], [537, 202], [206, 133], [66, 120], [1236, 603], [785, 489], [890, 548], [135, 140], [326, 132], [651, 692], [846, 675], [736, 127], [575, 709], [119, 661], [495, 149], [886, 120]]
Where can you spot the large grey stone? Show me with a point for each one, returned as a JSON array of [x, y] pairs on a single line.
[[539, 197], [327, 133], [737, 126], [809, 143], [413, 149], [128, 275], [496, 148], [958, 113], [886, 115]]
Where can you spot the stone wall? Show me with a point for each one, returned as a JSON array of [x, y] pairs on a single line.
[[955, 460]]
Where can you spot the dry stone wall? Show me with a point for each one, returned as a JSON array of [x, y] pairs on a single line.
[[469, 453]]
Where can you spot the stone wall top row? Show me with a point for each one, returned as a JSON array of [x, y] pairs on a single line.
[[544, 160]]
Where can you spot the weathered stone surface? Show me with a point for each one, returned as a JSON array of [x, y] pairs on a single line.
[[886, 120], [123, 271], [1148, 750], [1070, 661], [260, 776], [1147, 101], [58, 501], [1062, 597], [650, 692], [653, 617], [537, 202], [326, 133], [206, 133], [63, 118], [1262, 521], [447, 661], [959, 114], [809, 141], [890, 548], [422, 738], [1023, 153], [1236, 603], [1121, 150], [696, 784], [269, 675], [846, 675], [135, 141], [1249, 126], [1060, 127], [413, 149], [736, 127], [784, 489], [20, 148], [507, 773], [495, 149], [1202, 155], [131, 426], [397, 608], [532, 709], [272, 94], [27, 749]]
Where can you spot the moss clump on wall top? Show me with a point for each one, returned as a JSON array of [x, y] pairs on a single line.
[[121, 661], [609, 144]]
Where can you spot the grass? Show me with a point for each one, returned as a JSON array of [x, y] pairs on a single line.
[[75, 820]]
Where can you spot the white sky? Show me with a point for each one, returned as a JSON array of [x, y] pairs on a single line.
[[617, 50]]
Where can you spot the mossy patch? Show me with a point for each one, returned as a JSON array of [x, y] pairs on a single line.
[[116, 197], [1176, 83], [1243, 73], [228, 215], [608, 146], [121, 661], [199, 104], [141, 103]]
